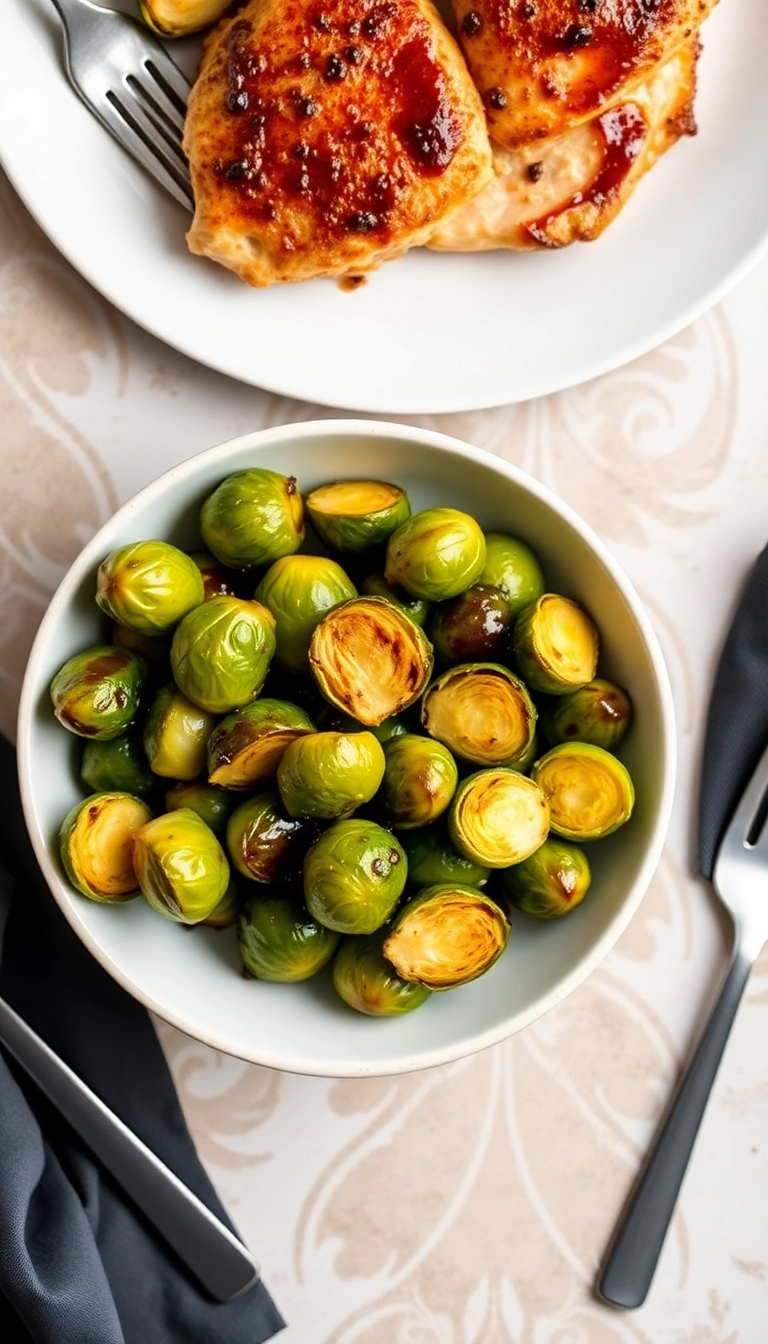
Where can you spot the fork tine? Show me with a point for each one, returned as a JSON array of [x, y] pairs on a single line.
[[162, 95], [139, 135], [746, 834], [139, 102]]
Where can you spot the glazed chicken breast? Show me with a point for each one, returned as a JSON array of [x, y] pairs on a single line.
[[325, 137]]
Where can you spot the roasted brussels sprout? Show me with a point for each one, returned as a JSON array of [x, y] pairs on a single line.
[[436, 554], [176, 734], [221, 652], [354, 876], [367, 982], [180, 866], [483, 712], [246, 746], [420, 779], [298, 590], [263, 843], [370, 659], [96, 845], [590, 791], [177, 18], [97, 692], [252, 518], [433, 858], [498, 817], [556, 644], [375, 585], [356, 515], [473, 627], [279, 940], [117, 764], [209, 802], [330, 775], [549, 883], [148, 586], [599, 712], [218, 581], [512, 566], [446, 935]]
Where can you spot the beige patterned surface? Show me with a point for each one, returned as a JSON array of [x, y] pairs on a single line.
[[468, 1204]]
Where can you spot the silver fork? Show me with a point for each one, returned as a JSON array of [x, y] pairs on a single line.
[[740, 879], [125, 77]]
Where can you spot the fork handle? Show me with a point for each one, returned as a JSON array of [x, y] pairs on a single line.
[[629, 1267]]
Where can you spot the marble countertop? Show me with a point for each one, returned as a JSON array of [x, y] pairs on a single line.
[[472, 1203]]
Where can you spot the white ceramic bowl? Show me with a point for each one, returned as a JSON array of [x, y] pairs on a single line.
[[192, 979]]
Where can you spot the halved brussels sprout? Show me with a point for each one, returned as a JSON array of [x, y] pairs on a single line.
[[263, 843], [512, 566], [218, 581], [433, 858], [354, 876], [298, 590], [600, 712], [370, 659], [375, 585], [209, 802], [590, 791], [252, 518], [97, 693], [180, 866], [279, 940], [246, 746], [96, 845], [483, 712], [177, 18], [148, 586], [549, 883], [475, 626], [436, 554], [556, 644], [498, 817], [356, 515], [419, 782], [446, 935], [330, 775], [367, 982], [221, 652], [117, 764], [176, 734]]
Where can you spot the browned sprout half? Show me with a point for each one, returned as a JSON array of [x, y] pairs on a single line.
[[498, 817], [356, 515], [556, 644], [445, 936], [177, 18], [483, 712], [370, 659], [590, 791], [96, 845], [245, 747]]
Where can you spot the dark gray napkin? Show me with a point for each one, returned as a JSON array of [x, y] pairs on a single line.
[[737, 722], [78, 1263]]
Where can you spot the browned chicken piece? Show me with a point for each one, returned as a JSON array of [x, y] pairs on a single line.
[[328, 136], [544, 66], [570, 188]]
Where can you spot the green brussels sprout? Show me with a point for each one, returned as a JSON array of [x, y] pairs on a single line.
[[262, 842], [227, 912], [116, 764], [329, 774], [498, 817], [549, 883], [354, 876], [375, 585], [512, 566], [298, 590], [475, 626], [97, 693], [96, 845], [370, 659], [367, 982], [246, 746], [157, 648], [590, 791], [177, 18], [209, 802], [279, 940], [420, 779], [446, 935], [218, 581], [556, 644], [599, 712], [148, 586], [436, 554], [432, 859], [181, 868], [482, 712], [221, 652], [176, 733], [356, 515], [252, 518]]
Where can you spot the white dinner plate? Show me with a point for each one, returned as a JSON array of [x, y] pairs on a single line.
[[430, 332]]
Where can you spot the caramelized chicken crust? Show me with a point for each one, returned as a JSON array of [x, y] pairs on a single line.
[[327, 136]]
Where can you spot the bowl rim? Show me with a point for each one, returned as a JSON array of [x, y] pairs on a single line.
[[269, 437]]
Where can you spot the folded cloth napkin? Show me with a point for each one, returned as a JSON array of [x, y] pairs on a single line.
[[78, 1263], [737, 721]]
